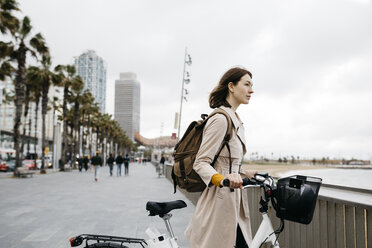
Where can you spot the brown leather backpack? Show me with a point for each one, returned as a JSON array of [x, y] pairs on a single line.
[[186, 149]]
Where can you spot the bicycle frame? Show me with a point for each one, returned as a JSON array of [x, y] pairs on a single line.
[[158, 240], [265, 232]]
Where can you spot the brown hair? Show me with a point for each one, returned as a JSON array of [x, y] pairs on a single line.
[[219, 94]]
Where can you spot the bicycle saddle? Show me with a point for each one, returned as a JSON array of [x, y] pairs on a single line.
[[162, 208]]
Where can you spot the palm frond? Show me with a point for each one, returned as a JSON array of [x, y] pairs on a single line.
[[6, 49], [9, 5], [6, 70], [25, 27], [38, 43], [8, 23]]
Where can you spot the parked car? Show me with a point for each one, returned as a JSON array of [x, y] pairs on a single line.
[[7, 165], [4, 166], [47, 163], [30, 164]]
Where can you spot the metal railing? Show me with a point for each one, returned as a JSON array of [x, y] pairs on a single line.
[[342, 218]]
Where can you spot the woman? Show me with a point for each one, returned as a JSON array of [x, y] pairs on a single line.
[[221, 217]]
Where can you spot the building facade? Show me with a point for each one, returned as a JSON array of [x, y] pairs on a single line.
[[127, 103], [7, 114], [92, 69]]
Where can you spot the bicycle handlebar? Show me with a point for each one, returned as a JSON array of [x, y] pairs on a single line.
[[246, 181]]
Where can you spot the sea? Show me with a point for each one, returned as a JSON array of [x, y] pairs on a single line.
[[356, 178]]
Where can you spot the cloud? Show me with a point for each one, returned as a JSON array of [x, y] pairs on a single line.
[[310, 61]]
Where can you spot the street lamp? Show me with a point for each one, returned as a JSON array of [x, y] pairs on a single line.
[[185, 79]]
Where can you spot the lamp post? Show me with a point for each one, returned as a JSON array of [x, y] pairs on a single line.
[[185, 79]]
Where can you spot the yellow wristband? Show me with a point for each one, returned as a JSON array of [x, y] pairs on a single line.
[[216, 179]]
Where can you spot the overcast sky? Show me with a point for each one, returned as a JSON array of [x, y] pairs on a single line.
[[311, 63]]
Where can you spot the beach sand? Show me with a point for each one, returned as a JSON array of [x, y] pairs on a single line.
[[276, 170]]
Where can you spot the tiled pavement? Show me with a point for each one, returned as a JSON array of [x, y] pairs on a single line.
[[46, 210]]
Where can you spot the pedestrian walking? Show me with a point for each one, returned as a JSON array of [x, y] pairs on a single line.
[[85, 163], [221, 217], [110, 162], [80, 162], [126, 165], [60, 164], [119, 162], [97, 164], [161, 165]]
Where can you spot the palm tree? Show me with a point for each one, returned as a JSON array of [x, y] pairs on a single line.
[[86, 110], [16, 51], [92, 112], [25, 115], [44, 78], [56, 107], [37, 95], [67, 73], [76, 86]]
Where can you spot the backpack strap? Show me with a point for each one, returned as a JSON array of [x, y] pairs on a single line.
[[227, 137]]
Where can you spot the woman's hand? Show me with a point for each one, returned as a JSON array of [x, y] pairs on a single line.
[[235, 181], [249, 173]]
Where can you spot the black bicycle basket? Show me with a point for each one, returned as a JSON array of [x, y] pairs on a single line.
[[296, 198]]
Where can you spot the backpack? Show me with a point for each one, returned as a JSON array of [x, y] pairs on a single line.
[[186, 149]]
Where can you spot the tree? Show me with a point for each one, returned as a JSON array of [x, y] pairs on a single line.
[[42, 78], [67, 74], [15, 52], [76, 86], [87, 109]]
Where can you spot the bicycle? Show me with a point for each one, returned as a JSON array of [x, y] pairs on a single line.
[[283, 197]]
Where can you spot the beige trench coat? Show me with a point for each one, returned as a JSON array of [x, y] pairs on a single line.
[[219, 211]]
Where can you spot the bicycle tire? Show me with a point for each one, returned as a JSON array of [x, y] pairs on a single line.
[[106, 245]]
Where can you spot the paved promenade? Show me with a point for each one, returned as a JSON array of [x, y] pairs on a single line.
[[46, 210]]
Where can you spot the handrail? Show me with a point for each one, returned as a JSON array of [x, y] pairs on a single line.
[[342, 218]]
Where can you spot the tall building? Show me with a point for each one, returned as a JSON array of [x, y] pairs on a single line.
[[127, 103], [92, 69], [7, 114]]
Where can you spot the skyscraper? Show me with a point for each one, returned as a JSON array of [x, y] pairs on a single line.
[[92, 69], [127, 103]]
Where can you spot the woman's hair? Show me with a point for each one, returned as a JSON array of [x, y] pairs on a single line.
[[219, 94]]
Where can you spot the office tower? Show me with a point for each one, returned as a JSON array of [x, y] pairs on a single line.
[[92, 69], [127, 103]]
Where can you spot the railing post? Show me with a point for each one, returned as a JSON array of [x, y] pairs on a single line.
[[331, 216], [339, 218], [323, 224], [369, 227], [349, 226], [359, 228]]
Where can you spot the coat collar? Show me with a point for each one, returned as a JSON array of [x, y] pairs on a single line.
[[238, 125], [236, 122]]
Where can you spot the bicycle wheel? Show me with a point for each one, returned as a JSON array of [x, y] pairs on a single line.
[[106, 245]]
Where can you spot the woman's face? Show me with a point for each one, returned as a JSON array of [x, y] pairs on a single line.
[[242, 91]]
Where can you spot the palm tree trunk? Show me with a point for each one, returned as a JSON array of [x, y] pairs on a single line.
[[90, 130], [27, 99], [72, 144], [37, 100], [44, 107], [81, 135], [97, 144], [19, 90], [77, 130], [29, 134], [64, 143]]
